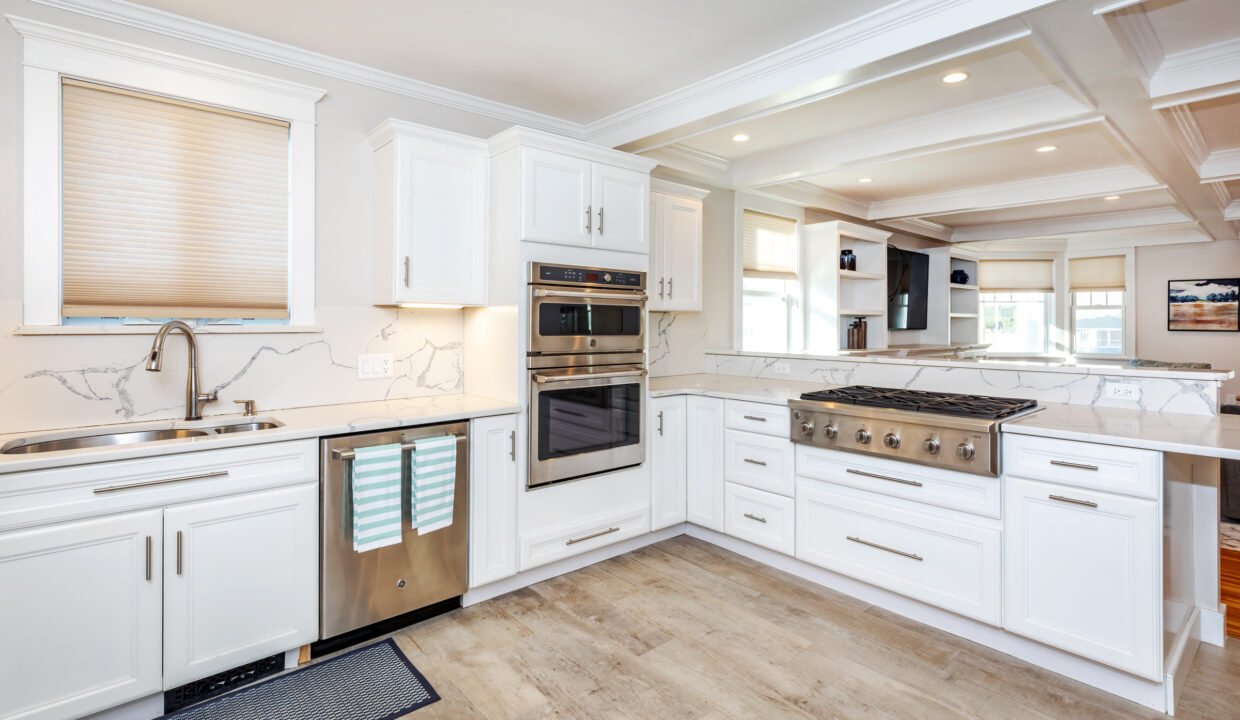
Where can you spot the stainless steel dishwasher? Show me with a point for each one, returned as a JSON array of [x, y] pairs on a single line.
[[360, 589]]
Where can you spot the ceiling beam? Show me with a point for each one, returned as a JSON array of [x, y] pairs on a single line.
[[703, 166], [1221, 166], [1072, 225], [1190, 71], [1232, 212]]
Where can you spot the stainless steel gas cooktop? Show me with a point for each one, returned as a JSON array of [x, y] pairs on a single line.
[[948, 430]]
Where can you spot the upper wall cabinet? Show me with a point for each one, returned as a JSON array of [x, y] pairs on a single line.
[[675, 281], [430, 225]]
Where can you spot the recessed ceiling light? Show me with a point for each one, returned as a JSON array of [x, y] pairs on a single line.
[[865, 180], [1111, 197], [952, 78], [1048, 148], [740, 137]]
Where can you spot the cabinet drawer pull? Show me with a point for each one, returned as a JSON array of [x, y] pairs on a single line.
[[755, 418], [406, 271], [876, 476], [1074, 501], [166, 481], [589, 219], [149, 551], [180, 552], [600, 221], [591, 536], [660, 288], [660, 422], [751, 461], [669, 287], [751, 516], [512, 445], [876, 546], [1078, 466]]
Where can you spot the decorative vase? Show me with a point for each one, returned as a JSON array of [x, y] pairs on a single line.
[[848, 261], [960, 277]]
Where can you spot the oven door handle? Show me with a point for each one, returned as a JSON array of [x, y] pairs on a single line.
[[638, 296], [546, 379]]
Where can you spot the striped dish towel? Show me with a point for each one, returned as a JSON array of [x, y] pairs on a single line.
[[434, 483], [376, 497]]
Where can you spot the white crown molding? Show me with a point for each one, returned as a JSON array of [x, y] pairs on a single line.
[[1232, 211], [705, 159], [898, 27], [701, 166], [1133, 25], [527, 137], [805, 194], [1036, 191], [1019, 114], [1221, 166], [667, 187], [921, 226], [391, 128], [1193, 70], [164, 23], [1072, 225], [1187, 135]]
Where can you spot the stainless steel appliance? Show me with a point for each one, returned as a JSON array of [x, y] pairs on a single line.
[[947, 430], [587, 371], [359, 589]]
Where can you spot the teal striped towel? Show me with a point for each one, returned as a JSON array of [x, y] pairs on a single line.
[[376, 496], [434, 483]]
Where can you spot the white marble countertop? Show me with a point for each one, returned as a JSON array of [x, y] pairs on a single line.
[[298, 424], [732, 387], [1206, 435]]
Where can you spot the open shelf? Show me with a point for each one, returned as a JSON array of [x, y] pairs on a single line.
[[958, 286], [850, 312], [963, 315], [857, 275]]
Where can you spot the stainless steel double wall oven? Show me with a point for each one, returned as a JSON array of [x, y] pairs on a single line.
[[587, 371]]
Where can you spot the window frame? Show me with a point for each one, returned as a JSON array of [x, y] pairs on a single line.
[[1056, 342], [1127, 310], [1051, 312], [797, 319], [50, 53]]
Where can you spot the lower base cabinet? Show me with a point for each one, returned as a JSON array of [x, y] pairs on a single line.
[[80, 620], [492, 499], [759, 517], [667, 462], [704, 461]]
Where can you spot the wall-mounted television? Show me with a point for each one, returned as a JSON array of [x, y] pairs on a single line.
[[908, 288]]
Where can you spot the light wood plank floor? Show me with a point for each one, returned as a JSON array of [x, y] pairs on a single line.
[[684, 629]]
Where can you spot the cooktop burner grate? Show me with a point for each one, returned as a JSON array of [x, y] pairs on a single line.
[[978, 406]]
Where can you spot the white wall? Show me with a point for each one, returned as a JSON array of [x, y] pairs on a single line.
[[76, 380], [1156, 264]]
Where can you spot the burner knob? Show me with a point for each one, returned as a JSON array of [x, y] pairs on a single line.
[[965, 451], [892, 441], [863, 437], [931, 445], [831, 432], [807, 428]]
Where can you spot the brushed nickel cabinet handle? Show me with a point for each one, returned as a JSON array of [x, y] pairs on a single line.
[[591, 536], [180, 553], [600, 221], [406, 271], [751, 461], [512, 445], [166, 481], [755, 418], [589, 219], [660, 423], [876, 476], [1078, 466], [876, 546], [660, 288], [1074, 501], [669, 287], [751, 516], [149, 552]]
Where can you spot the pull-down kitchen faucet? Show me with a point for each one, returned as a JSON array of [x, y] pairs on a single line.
[[193, 399]]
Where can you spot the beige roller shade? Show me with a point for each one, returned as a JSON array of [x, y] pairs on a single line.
[[1097, 273], [1016, 275], [172, 209], [770, 246]]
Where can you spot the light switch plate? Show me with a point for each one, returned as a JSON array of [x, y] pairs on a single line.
[[374, 366], [1123, 391]]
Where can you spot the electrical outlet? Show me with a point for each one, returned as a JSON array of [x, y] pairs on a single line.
[[371, 367], [781, 368], [1123, 391]]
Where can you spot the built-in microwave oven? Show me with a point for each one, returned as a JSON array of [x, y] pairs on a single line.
[[586, 310]]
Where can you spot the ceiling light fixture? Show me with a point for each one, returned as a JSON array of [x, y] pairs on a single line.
[[1048, 148], [740, 137], [865, 180], [1111, 197], [952, 78]]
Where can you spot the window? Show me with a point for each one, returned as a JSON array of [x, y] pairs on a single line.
[[771, 302], [171, 209], [1097, 286], [1017, 305]]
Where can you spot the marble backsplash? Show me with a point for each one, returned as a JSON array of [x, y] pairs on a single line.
[[1080, 386], [56, 381], [677, 343]]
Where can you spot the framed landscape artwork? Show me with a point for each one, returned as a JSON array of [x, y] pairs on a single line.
[[1211, 305]]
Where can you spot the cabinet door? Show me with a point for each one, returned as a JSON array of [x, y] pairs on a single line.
[[682, 253], [241, 580], [1082, 572], [80, 615], [492, 499], [704, 461], [442, 220], [621, 207], [656, 281], [555, 198], [667, 461]]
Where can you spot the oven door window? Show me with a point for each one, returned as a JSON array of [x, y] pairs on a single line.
[[557, 319], [573, 421]]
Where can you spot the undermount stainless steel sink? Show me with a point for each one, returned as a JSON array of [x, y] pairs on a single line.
[[51, 443]]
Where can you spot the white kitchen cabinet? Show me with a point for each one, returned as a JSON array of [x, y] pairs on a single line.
[[492, 499], [240, 580], [621, 199], [667, 461], [568, 200], [80, 615], [1082, 572], [431, 209], [704, 461], [760, 517], [675, 247]]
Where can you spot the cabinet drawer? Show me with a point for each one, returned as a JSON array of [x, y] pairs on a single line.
[[975, 494], [43, 496], [761, 518], [583, 535], [1110, 468], [759, 461], [757, 417], [887, 542]]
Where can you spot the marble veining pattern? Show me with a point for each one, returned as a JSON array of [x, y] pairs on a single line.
[[677, 343]]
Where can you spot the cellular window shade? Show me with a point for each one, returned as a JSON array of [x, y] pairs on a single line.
[[1016, 275], [1097, 273], [770, 246], [171, 209]]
